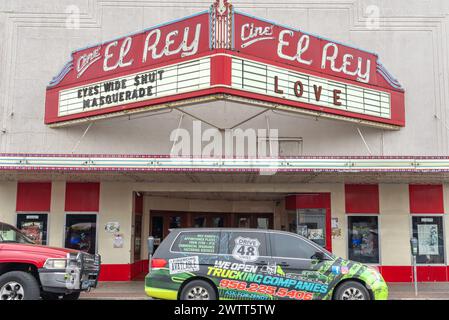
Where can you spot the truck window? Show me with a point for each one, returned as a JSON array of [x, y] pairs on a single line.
[[244, 246], [286, 246], [197, 242]]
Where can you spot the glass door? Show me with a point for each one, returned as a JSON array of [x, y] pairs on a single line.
[[309, 215], [311, 224]]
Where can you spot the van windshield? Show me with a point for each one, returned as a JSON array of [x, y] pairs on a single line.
[[9, 234]]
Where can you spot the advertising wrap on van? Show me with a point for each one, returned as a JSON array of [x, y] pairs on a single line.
[[246, 275]]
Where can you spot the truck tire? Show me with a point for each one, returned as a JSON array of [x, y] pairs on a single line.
[[50, 296], [18, 285], [60, 296], [198, 290], [352, 290]]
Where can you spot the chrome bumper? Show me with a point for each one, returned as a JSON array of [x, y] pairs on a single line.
[[73, 279]]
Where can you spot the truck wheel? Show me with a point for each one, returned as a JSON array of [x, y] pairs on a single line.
[[198, 290], [18, 285], [71, 296], [352, 290]]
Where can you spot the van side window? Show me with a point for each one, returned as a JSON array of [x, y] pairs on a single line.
[[245, 245], [197, 242], [286, 246]]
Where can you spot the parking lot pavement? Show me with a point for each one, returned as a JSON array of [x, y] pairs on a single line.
[[134, 290]]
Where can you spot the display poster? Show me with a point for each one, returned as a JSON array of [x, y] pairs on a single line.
[[112, 227], [428, 239], [303, 230], [118, 241], [34, 226], [363, 240], [316, 234]]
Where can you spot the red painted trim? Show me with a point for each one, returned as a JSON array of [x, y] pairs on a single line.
[[362, 198], [82, 197], [424, 273], [115, 272], [396, 273], [220, 73], [426, 199], [166, 156], [123, 272], [138, 204], [313, 201], [33, 197]]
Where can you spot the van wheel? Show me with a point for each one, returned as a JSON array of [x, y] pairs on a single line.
[[18, 285], [198, 290], [352, 290]]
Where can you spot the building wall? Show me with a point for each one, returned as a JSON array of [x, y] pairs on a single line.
[[116, 205], [410, 38]]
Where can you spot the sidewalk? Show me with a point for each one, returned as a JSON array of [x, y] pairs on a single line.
[[426, 291], [134, 290]]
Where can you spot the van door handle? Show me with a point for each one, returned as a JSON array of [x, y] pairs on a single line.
[[261, 263]]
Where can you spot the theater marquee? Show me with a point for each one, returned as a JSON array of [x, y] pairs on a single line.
[[222, 54]]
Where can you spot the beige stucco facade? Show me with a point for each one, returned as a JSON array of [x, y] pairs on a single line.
[[410, 38], [116, 205]]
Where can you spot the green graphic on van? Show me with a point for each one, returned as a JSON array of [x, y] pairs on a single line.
[[240, 268]]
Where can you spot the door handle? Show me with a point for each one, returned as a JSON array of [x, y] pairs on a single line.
[[261, 263]]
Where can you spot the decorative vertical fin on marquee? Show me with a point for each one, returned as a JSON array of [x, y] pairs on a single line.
[[222, 15]]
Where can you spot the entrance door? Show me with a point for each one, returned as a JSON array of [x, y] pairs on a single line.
[[162, 222], [253, 220], [309, 215], [209, 220]]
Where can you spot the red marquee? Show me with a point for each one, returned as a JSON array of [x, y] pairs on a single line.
[[225, 54]]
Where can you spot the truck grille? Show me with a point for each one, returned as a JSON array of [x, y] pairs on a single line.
[[90, 262]]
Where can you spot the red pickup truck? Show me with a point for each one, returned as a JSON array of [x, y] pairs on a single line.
[[31, 272]]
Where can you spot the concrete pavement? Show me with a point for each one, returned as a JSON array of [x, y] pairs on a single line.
[[134, 290]]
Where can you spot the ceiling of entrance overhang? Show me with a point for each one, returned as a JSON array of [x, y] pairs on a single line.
[[170, 181]]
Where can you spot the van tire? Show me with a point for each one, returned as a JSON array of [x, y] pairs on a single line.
[[198, 290], [26, 286], [352, 290]]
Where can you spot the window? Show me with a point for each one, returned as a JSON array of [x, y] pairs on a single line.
[[429, 232], [286, 246], [197, 242], [81, 232], [245, 244], [34, 226], [363, 239]]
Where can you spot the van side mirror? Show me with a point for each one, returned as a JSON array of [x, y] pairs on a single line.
[[150, 245], [319, 256]]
